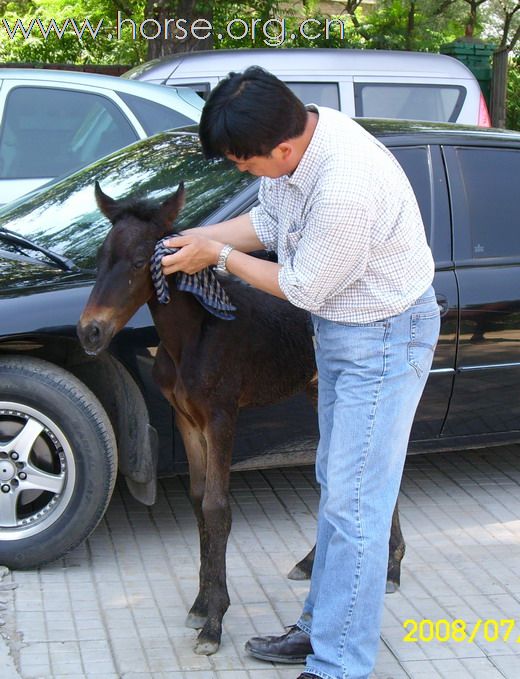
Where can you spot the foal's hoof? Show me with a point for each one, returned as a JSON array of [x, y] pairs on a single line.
[[205, 647], [195, 621], [299, 573], [391, 587]]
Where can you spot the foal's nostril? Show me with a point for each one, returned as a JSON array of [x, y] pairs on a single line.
[[94, 332]]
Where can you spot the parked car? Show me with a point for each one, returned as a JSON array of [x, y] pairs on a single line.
[[366, 83], [62, 408], [55, 122]]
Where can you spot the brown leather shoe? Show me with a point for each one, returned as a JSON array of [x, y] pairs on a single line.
[[292, 647]]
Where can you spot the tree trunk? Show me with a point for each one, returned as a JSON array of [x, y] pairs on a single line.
[[171, 21], [410, 27], [499, 87]]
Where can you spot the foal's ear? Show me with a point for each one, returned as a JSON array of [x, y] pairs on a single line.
[[171, 207], [107, 205]]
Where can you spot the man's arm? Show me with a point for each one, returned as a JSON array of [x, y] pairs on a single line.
[[201, 246], [238, 232]]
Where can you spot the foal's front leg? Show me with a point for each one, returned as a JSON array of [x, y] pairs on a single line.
[[197, 455], [216, 514]]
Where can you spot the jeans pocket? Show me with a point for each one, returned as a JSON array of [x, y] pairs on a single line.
[[424, 332]]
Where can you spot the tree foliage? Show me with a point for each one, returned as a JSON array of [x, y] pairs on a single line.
[[395, 24]]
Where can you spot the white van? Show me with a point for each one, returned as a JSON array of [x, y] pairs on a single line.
[[364, 83]]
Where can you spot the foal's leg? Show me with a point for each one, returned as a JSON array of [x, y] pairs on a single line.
[[396, 547], [217, 520], [396, 551], [196, 453]]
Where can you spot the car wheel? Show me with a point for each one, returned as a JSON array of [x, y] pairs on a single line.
[[57, 461]]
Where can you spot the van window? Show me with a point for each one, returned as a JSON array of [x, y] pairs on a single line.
[[490, 178], [202, 89], [437, 103], [322, 94]]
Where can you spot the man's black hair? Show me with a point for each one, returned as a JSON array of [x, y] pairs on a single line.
[[248, 114]]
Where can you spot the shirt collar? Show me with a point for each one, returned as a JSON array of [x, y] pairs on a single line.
[[305, 175]]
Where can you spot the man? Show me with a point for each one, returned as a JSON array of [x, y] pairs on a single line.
[[338, 209]]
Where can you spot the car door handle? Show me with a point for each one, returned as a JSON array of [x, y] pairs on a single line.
[[443, 305]]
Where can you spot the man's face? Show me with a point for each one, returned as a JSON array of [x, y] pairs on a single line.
[[272, 165]]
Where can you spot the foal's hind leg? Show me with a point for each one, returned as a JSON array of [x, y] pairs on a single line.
[[303, 569], [217, 520], [395, 553]]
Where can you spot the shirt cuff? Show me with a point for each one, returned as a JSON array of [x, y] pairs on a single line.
[[292, 289]]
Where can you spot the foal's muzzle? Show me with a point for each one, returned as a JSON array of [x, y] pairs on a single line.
[[94, 335]]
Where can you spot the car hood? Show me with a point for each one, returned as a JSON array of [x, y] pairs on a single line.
[[42, 299], [63, 216], [21, 276]]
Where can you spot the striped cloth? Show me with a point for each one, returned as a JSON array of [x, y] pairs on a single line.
[[203, 285]]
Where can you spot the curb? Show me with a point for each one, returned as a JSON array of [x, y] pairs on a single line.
[[9, 670]]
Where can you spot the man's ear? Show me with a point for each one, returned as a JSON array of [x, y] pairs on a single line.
[[285, 149]]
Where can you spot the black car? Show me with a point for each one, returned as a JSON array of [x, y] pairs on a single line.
[[61, 411]]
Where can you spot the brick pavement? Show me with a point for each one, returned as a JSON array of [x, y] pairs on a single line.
[[114, 608]]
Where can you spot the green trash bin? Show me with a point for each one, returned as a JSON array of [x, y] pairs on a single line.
[[476, 55]]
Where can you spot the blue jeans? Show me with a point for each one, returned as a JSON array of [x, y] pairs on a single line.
[[371, 377]]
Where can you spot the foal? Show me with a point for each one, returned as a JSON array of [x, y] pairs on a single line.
[[208, 369]]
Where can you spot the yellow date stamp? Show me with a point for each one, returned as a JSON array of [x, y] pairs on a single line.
[[460, 631]]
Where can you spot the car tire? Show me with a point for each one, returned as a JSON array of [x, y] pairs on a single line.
[[58, 461]]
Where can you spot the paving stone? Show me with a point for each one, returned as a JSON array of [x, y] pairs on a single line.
[[115, 607]]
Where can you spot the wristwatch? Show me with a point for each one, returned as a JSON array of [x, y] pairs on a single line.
[[222, 258]]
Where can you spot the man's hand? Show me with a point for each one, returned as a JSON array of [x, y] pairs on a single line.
[[196, 253]]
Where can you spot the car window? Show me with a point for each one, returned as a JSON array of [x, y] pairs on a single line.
[[439, 103], [64, 217], [490, 181], [47, 132], [152, 116], [322, 94], [415, 162]]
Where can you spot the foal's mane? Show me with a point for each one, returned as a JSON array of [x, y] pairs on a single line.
[[142, 209]]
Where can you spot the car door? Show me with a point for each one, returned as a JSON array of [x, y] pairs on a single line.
[[424, 168], [49, 131], [484, 184]]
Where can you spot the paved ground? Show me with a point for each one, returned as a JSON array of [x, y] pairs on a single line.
[[114, 608]]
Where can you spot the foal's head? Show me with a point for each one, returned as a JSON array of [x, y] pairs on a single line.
[[123, 282]]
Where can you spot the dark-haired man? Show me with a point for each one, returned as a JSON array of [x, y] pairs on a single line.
[[338, 209]]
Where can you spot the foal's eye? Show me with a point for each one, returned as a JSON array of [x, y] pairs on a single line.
[[139, 263]]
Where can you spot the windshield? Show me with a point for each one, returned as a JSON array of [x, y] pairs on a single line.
[[64, 217]]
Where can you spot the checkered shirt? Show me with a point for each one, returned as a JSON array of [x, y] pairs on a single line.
[[346, 227]]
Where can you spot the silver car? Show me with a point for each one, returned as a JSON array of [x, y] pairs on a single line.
[[55, 122]]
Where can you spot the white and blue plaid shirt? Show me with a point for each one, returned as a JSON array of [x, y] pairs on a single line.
[[346, 227]]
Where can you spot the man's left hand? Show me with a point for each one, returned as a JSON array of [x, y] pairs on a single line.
[[196, 253]]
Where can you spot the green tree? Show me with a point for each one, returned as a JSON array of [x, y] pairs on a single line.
[[26, 22], [513, 96]]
